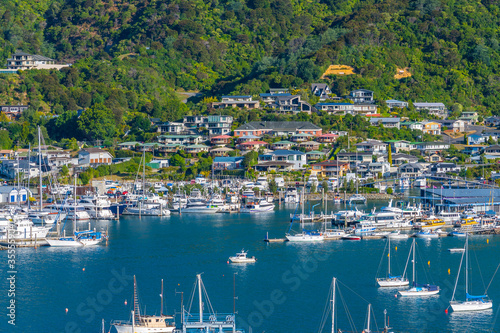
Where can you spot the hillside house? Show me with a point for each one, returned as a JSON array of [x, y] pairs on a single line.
[[392, 103], [296, 159], [277, 128], [437, 109], [290, 105], [361, 96], [410, 170], [227, 163], [374, 147], [243, 101], [330, 168], [94, 157], [322, 90], [386, 122], [431, 127]]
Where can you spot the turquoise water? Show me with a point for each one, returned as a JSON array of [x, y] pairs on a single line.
[[285, 291]]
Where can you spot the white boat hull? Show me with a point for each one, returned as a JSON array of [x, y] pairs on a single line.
[[427, 235], [305, 238], [413, 292], [242, 261], [64, 243], [257, 210], [138, 329], [400, 236], [471, 306], [392, 283]]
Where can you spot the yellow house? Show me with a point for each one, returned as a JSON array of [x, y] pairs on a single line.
[[431, 127]]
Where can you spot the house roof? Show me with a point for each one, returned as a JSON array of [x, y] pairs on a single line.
[[237, 96], [412, 165], [328, 135], [277, 95], [394, 101], [251, 143], [363, 90], [274, 163], [226, 159], [278, 125], [94, 150], [249, 137], [332, 163], [197, 146], [385, 120], [428, 104], [316, 152], [283, 152], [309, 143], [221, 149], [224, 136], [38, 57], [21, 53], [129, 143], [284, 142], [302, 135], [333, 104]]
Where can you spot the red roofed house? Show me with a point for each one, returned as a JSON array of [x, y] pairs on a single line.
[[327, 138], [221, 140], [252, 145]]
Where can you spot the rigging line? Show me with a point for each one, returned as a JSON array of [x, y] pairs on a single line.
[[346, 309], [326, 310], [489, 284], [192, 296], [367, 302], [381, 259], [479, 268]]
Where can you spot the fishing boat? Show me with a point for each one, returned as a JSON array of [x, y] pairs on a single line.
[[471, 303], [145, 323], [418, 290], [391, 280], [242, 258]]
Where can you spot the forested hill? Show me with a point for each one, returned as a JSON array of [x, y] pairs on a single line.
[[130, 56]]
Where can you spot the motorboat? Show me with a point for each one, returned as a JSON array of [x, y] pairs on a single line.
[[291, 195], [257, 206], [351, 237], [357, 198], [449, 217], [397, 235], [432, 224], [457, 234], [242, 258], [456, 250], [427, 234], [312, 181], [22, 228]]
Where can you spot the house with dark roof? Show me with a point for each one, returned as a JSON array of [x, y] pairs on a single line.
[[400, 145], [277, 128], [492, 121], [375, 147], [355, 158], [443, 168], [295, 159], [362, 96], [399, 159], [269, 98], [290, 105], [410, 170], [322, 90], [437, 109], [25, 61]]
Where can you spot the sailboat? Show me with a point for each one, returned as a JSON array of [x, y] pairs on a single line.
[[144, 323], [418, 290], [390, 280], [471, 303], [305, 235]]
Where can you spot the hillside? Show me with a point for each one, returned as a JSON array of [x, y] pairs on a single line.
[[129, 57]]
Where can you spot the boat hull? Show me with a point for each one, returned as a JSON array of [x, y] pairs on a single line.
[[304, 238], [417, 293], [242, 261], [139, 329], [471, 306], [392, 283], [64, 243]]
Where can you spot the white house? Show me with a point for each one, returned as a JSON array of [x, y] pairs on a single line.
[[297, 158], [372, 146], [11, 194], [94, 156], [392, 103]]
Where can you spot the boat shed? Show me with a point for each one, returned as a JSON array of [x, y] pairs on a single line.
[[458, 199], [12, 194]]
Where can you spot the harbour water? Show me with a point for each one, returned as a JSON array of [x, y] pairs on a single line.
[[286, 290]]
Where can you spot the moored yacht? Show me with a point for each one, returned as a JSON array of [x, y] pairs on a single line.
[[257, 206]]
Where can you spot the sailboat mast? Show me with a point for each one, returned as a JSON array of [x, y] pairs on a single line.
[[40, 166], [414, 261], [389, 257], [333, 304], [137, 310], [467, 265], [368, 326], [199, 297]]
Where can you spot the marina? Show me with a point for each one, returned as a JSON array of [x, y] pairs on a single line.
[[175, 248]]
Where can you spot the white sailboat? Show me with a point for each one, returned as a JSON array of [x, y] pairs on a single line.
[[390, 280], [418, 290], [471, 303], [305, 235]]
